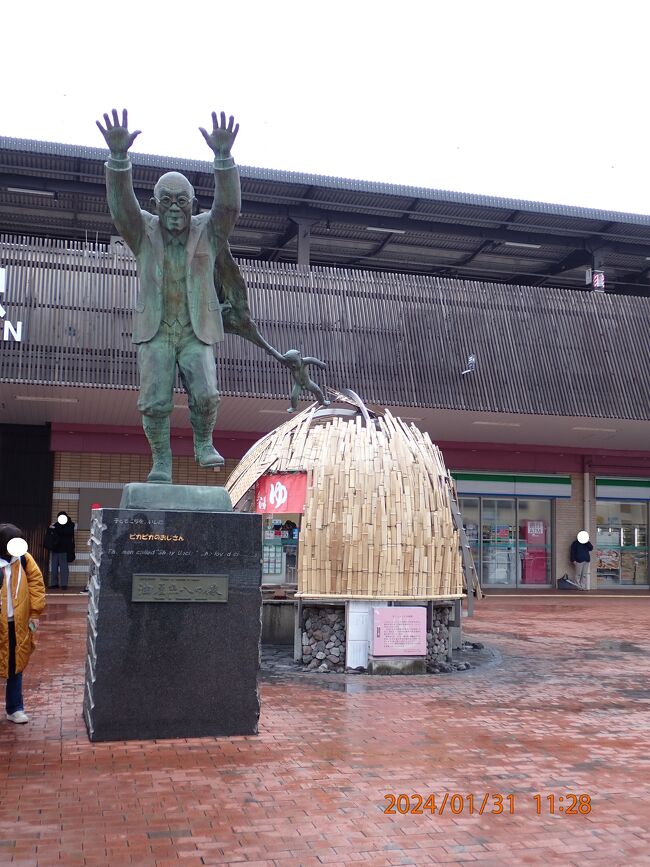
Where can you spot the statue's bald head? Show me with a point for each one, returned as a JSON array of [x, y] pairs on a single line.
[[173, 199], [173, 182]]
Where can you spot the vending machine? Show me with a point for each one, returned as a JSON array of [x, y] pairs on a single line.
[[534, 554]]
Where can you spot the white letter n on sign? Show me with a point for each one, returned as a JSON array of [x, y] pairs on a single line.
[[16, 333]]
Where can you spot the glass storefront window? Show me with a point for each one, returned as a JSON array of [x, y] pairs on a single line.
[[470, 511], [280, 548], [621, 544], [534, 518], [510, 539], [499, 541]]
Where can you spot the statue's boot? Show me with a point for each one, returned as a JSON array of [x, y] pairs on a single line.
[[157, 432], [204, 451]]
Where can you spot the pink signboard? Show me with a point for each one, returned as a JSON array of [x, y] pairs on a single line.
[[400, 631]]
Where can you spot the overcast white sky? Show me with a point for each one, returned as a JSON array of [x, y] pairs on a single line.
[[534, 99]]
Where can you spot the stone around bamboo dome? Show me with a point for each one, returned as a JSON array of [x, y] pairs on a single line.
[[377, 522]]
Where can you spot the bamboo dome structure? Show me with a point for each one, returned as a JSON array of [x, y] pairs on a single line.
[[377, 522]]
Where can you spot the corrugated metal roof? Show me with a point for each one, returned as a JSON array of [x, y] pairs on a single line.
[[267, 191], [431, 210], [465, 239], [299, 178], [558, 221], [627, 230], [351, 198], [262, 222]]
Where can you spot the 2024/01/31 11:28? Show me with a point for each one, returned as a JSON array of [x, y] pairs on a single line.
[[486, 803]]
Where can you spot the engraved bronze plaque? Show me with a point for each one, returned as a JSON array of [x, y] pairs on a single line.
[[179, 588]]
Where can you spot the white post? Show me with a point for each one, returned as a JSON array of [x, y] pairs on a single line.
[[358, 631]]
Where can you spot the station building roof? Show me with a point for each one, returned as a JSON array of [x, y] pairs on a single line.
[[50, 189]]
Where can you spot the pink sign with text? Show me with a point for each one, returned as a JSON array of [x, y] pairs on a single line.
[[400, 631]]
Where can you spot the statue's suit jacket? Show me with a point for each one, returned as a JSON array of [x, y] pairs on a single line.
[[207, 244]]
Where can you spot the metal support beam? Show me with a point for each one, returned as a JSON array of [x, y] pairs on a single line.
[[304, 240], [639, 278], [272, 254], [576, 259], [598, 259]]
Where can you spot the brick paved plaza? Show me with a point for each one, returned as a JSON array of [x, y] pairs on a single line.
[[563, 707]]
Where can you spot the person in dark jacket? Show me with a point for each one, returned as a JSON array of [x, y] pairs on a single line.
[[62, 550], [580, 557]]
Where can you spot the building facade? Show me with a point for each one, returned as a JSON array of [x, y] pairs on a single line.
[[546, 430]]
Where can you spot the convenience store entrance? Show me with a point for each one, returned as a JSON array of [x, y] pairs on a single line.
[[510, 538]]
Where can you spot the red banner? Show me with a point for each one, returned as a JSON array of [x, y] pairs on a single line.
[[281, 493]]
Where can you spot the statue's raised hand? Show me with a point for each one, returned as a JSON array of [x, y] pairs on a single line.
[[222, 136], [118, 138]]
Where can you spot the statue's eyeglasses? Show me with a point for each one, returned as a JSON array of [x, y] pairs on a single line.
[[182, 200]]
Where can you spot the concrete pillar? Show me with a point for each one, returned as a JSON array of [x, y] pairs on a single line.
[[586, 493], [297, 630], [304, 241], [358, 631]]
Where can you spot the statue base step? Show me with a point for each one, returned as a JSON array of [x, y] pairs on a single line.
[[175, 498]]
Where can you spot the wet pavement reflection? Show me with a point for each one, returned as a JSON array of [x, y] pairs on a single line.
[[562, 710]]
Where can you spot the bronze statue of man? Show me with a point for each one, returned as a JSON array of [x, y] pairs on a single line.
[[177, 317]]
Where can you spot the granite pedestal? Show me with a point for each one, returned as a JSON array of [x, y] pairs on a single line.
[[174, 625]]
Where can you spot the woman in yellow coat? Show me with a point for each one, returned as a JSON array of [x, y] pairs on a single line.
[[22, 598]]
